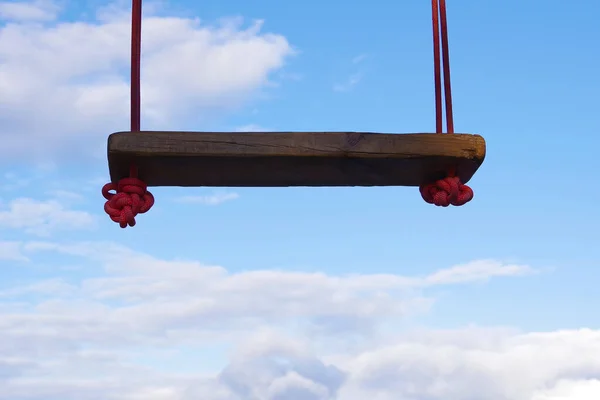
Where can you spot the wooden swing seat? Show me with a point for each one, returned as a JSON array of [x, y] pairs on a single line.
[[281, 159]]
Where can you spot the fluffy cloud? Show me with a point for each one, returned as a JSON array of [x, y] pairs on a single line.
[[79, 340], [517, 366], [65, 84], [168, 298], [132, 326], [284, 335], [28, 11], [42, 217], [11, 251]]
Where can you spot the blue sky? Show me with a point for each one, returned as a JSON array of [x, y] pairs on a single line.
[[524, 77]]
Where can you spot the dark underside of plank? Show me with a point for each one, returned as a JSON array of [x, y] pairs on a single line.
[[275, 159]]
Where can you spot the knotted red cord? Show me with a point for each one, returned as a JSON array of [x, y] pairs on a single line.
[[131, 196], [449, 190]]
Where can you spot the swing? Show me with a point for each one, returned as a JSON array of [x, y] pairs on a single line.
[[439, 164]]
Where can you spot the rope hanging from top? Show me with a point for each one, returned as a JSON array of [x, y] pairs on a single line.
[[130, 196], [450, 190]]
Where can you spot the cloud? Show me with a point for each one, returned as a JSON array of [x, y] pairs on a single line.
[[476, 271], [567, 389], [519, 367], [12, 182], [148, 328], [11, 251], [349, 84], [52, 287], [354, 78], [66, 196], [73, 76], [359, 58], [168, 298], [209, 200], [28, 11], [43, 217]]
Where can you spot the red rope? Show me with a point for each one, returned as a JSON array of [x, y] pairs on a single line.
[[446, 67], [131, 196], [436, 66], [136, 60], [449, 190]]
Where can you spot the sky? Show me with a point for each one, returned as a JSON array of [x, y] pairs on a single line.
[[300, 293]]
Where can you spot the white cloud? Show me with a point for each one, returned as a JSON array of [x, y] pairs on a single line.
[[209, 200], [516, 367], [569, 389], [73, 76], [11, 251], [60, 349], [53, 287], [349, 84], [13, 182], [66, 196], [28, 11], [43, 217], [354, 78], [186, 295], [359, 58], [476, 271], [84, 339], [293, 335]]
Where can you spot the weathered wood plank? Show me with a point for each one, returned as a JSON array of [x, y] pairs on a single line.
[[261, 159]]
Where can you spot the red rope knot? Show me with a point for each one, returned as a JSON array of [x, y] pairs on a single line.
[[447, 191], [131, 198]]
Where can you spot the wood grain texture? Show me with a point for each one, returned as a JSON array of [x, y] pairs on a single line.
[[276, 159]]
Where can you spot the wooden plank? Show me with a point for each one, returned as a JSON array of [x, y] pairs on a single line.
[[276, 159]]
